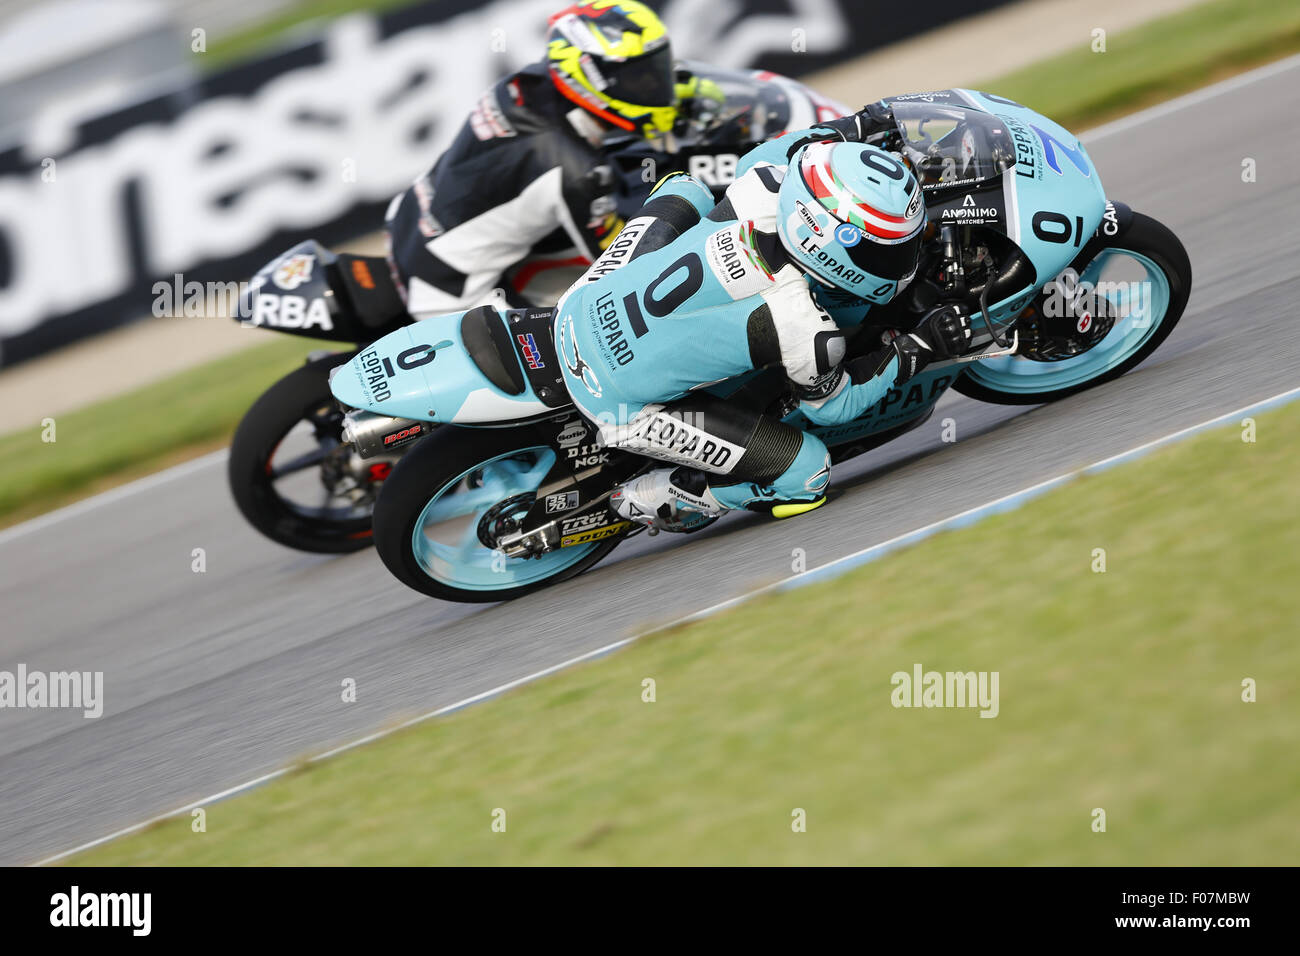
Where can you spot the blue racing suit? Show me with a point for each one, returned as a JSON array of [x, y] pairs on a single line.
[[691, 294]]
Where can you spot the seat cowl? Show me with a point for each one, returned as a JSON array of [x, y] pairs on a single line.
[[533, 336], [487, 340]]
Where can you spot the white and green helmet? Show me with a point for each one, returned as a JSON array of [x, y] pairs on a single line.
[[852, 216]]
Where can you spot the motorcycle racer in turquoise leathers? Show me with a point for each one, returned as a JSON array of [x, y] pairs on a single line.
[[819, 225]]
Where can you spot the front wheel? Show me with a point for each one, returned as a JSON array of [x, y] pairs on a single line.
[[1140, 282], [450, 498]]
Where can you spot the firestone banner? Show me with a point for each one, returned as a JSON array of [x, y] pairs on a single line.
[[213, 179]]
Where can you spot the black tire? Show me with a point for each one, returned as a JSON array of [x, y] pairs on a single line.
[[300, 394], [1152, 239], [433, 462]]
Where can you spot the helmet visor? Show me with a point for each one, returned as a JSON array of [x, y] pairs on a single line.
[[895, 261], [644, 80]]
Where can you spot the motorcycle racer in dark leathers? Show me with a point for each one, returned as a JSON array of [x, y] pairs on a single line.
[[538, 181]]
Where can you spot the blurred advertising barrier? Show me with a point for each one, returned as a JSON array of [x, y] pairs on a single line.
[[212, 179]]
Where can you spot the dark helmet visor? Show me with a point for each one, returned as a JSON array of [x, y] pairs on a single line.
[[895, 261], [644, 80]]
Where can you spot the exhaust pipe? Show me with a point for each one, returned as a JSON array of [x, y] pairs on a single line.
[[372, 434]]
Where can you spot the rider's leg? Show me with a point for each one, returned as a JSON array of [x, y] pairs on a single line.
[[726, 456]]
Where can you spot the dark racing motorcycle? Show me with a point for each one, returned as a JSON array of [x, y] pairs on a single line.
[[505, 487], [294, 473]]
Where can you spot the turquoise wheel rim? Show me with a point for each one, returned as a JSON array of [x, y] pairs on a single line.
[[445, 540], [1142, 311]]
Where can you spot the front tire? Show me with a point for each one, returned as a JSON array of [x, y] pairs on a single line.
[[1156, 250], [432, 513]]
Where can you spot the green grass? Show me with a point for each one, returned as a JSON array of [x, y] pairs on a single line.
[[260, 38], [1156, 61], [1166, 57], [1119, 690], [140, 431]]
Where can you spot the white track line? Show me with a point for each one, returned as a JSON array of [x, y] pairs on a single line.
[[972, 515], [335, 751], [1100, 132], [831, 568]]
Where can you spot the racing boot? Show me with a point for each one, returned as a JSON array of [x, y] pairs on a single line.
[[667, 499]]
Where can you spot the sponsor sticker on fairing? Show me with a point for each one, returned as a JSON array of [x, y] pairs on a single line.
[[571, 435], [528, 345], [596, 534], [290, 312], [293, 272], [971, 212], [595, 519], [565, 501]]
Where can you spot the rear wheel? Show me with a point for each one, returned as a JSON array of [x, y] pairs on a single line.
[[289, 473], [449, 500], [1142, 280]]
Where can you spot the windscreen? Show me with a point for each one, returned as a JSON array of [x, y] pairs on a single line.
[[953, 145]]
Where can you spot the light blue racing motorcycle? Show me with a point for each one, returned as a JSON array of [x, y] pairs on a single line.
[[509, 492]]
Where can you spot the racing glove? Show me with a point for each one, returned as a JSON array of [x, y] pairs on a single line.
[[944, 333], [872, 123]]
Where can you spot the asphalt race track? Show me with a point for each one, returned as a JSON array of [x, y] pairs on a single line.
[[214, 678]]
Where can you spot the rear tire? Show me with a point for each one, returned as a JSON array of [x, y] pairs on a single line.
[[302, 393], [433, 466], [1146, 237]]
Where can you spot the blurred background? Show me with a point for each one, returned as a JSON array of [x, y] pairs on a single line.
[[142, 138]]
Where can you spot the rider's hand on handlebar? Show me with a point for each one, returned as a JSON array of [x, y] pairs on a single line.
[[873, 122], [876, 118], [945, 331], [943, 334]]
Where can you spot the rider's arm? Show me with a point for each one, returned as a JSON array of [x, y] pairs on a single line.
[[944, 333], [860, 383], [808, 344], [869, 124]]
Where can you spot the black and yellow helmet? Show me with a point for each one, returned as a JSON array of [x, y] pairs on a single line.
[[612, 58]]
